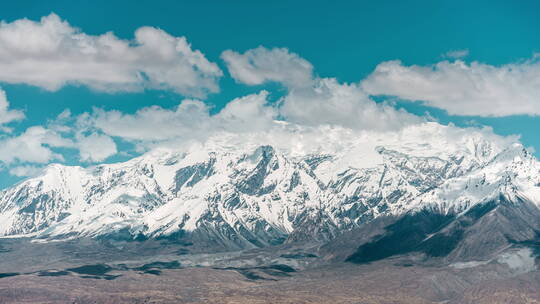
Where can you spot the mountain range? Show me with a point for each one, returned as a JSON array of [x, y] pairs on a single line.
[[464, 199]]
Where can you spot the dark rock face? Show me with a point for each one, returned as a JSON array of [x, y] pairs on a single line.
[[252, 184], [404, 236], [477, 234], [191, 175]]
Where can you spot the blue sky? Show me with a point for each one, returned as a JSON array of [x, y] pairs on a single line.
[[346, 40]]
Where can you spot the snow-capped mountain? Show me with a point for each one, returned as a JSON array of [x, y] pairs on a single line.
[[252, 195]]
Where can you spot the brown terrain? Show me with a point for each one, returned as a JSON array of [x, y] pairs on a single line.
[[336, 284], [66, 272]]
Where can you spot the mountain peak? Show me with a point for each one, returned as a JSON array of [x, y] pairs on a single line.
[[255, 195]]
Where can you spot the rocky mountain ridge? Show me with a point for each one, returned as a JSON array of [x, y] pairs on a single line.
[[259, 195]]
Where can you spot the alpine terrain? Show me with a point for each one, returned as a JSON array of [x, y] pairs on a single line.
[[431, 194], [258, 195]]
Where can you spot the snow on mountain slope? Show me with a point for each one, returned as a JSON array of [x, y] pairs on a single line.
[[513, 173], [253, 191]]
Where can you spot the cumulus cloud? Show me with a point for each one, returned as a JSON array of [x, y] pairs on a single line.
[[153, 123], [332, 103], [51, 53], [40, 145], [260, 65], [461, 88], [25, 171], [312, 100], [316, 115], [249, 113], [190, 120], [34, 145], [95, 147], [7, 115], [326, 103]]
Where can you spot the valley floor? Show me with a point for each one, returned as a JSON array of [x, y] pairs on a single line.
[[377, 283], [154, 272]]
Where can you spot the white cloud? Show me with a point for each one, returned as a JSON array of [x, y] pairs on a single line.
[[260, 65], [358, 147], [248, 113], [7, 115], [51, 53], [25, 171], [95, 147], [456, 54], [37, 145], [190, 120], [34, 145], [326, 103], [311, 100], [332, 103], [461, 88], [152, 123], [316, 115]]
